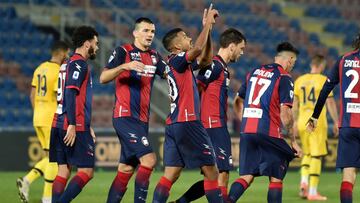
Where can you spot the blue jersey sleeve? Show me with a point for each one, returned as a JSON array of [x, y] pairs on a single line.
[[77, 71], [286, 90], [331, 82], [117, 58], [161, 66], [242, 91], [180, 62], [210, 74]]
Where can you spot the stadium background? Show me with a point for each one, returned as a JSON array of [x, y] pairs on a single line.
[[29, 27]]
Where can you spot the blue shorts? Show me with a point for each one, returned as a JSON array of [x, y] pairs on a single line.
[[221, 142], [132, 134], [187, 145], [348, 154], [81, 154], [262, 155]]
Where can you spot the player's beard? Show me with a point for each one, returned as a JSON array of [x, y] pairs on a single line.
[[92, 54]]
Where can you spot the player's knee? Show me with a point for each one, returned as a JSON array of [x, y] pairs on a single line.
[[88, 171], [148, 160], [349, 175], [210, 172], [223, 178], [125, 168], [64, 171]]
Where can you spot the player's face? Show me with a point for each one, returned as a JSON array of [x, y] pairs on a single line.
[[144, 34], [238, 50], [291, 59], [94, 46], [184, 41], [65, 55]]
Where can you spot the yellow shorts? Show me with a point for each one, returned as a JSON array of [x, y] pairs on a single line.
[[43, 134], [314, 144]]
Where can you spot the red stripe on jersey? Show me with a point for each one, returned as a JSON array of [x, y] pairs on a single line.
[[274, 112], [251, 125], [122, 93], [145, 91], [73, 87], [341, 92]]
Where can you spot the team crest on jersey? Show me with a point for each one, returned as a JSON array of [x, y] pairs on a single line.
[[153, 59], [145, 141], [136, 56], [75, 75], [208, 74]]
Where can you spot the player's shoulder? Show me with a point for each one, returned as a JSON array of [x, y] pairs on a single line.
[[78, 62], [126, 47]]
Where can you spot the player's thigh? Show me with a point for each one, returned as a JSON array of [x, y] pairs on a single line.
[[194, 144], [47, 133], [172, 156], [304, 139], [40, 134], [249, 160], [318, 142], [348, 154], [83, 154], [221, 141]]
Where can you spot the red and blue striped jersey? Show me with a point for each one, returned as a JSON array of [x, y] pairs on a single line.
[[133, 89], [215, 81], [346, 71], [266, 88], [183, 92], [74, 74]]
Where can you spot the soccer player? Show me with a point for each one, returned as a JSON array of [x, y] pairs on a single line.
[[346, 72], [43, 100], [307, 89], [267, 97], [133, 67], [214, 82], [72, 138], [186, 141]]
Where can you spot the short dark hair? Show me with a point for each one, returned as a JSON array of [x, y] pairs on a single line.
[[286, 46], [318, 59], [231, 35], [59, 46], [82, 34], [143, 19], [169, 37], [356, 42]]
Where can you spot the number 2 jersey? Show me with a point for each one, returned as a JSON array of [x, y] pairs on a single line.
[[346, 71], [266, 88], [74, 74]]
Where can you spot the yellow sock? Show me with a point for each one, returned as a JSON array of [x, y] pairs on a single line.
[[315, 170], [305, 163], [37, 171], [49, 176]]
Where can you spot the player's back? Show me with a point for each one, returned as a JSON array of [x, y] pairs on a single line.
[[307, 89], [348, 73], [266, 89], [45, 82]]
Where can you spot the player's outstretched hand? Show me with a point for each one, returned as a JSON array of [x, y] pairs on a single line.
[[92, 133], [136, 66], [311, 124], [297, 149], [70, 136]]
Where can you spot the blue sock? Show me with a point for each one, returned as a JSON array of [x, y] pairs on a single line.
[[212, 191], [237, 189], [118, 187], [162, 190], [74, 188], [142, 184], [193, 193], [275, 192]]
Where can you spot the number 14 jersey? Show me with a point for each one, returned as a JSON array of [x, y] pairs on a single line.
[[266, 88]]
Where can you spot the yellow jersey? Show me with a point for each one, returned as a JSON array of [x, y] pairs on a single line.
[[45, 82], [307, 89]]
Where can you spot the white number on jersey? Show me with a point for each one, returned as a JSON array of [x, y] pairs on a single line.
[[265, 83], [173, 92], [348, 92]]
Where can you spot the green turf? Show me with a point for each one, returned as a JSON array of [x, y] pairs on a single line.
[[96, 190]]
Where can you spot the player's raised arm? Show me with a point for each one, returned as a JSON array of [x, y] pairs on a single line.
[[201, 41]]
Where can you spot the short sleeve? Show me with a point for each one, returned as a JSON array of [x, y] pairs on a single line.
[[77, 71], [286, 90], [161, 66], [117, 58], [34, 79], [210, 73], [179, 62]]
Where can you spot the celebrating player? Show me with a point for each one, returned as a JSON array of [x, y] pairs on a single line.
[[307, 89], [346, 72], [214, 82], [133, 67], [72, 138], [267, 94], [43, 100], [186, 141]]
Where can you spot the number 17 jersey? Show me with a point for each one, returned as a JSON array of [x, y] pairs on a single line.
[[266, 88]]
